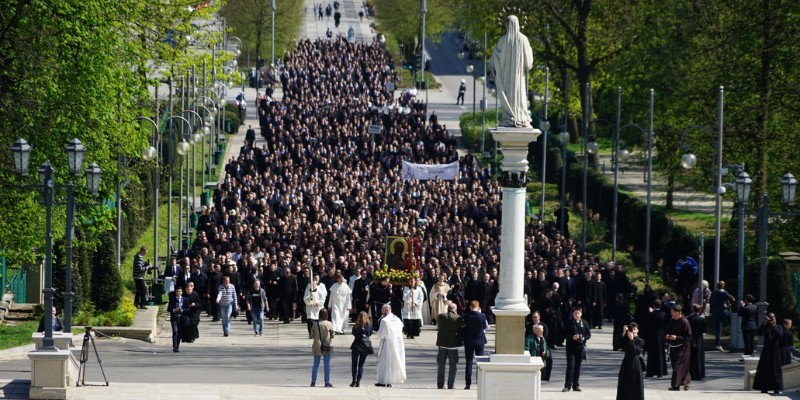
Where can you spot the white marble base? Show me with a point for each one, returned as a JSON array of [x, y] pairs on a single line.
[[510, 376], [62, 340], [50, 371]]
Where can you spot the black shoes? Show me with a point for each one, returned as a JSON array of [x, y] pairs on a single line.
[[313, 384], [358, 384], [225, 334], [353, 384], [328, 385], [674, 388], [577, 388], [565, 389], [175, 350]]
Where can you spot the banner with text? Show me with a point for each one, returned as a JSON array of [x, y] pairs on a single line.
[[424, 172]]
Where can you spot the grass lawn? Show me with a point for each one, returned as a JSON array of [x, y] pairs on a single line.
[[17, 335]]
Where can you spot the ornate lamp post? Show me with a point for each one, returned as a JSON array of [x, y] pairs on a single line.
[[21, 151], [743, 184]]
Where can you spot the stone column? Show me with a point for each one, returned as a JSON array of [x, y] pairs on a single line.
[[510, 373], [510, 305]]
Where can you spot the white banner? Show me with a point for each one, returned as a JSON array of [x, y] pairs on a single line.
[[423, 172]]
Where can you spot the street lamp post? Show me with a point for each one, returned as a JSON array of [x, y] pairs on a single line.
[[621, 155], [688, 161], [272, 36], [544, 126], [563, 136], [149, 154], [21, 151], [788, 191], [470, 70]]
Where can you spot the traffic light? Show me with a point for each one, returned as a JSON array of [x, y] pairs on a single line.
[[418, 62], [260, 62], [407, 65]]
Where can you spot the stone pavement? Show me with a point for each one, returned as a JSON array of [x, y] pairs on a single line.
[[277, 365]]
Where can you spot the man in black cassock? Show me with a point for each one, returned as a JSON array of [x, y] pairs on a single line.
[[679, 337], [654, 341], [697, 360], [769, 373]]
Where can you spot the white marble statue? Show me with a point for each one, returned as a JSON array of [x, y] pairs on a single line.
[[511, 59]]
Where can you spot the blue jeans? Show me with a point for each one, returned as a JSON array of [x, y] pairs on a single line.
[[357, 366], [225, 311], [450, 356], [258, 320], [176, 333], [327, 367]]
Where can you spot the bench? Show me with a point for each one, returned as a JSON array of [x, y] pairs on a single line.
[[791, 373]]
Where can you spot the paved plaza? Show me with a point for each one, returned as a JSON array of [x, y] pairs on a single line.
[[277, 365]]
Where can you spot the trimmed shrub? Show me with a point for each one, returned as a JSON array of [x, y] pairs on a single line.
[[106, 281]]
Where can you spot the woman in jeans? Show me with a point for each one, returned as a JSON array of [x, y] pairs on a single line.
[[321, 332], [361, 329]]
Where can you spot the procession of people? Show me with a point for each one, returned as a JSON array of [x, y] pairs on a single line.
[[297, 227]]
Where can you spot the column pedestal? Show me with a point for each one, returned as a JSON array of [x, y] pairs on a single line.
[[50, 371], [507, 376]]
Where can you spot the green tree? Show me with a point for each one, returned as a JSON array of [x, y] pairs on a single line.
[[251, 21], [106, 281], [403, 19]]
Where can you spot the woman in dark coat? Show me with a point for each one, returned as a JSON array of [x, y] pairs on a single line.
[[630, 385], [769, 374], [656, 357], [361, 329]]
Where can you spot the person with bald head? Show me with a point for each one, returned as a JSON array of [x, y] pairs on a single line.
[[392, 352]]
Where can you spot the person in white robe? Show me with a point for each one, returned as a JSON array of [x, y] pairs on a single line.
[[314, 298], [392, 352], [438, 297], [512, 58], [340, 302], [426, 305], [413, 299]]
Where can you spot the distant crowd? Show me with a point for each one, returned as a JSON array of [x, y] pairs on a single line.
[[319, 193]]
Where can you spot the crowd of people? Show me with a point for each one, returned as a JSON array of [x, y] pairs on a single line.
[[298, 225]]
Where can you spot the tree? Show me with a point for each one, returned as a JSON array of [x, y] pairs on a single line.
[[106, 281], [403, 20], [251, 21]]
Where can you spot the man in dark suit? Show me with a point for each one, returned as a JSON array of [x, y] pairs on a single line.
[[576, 333], [185, 276], [177, 305], [58, 325], [448, 339], [748, 313], [474, 335], [214, 281], [172, 272], [287, 291]]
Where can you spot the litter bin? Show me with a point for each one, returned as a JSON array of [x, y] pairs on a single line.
[[228, 127], [204, 198], [217, 157], [194, 220]]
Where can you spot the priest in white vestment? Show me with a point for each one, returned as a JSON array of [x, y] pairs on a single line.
[[413, 298], [340, 301], [314, 298], [392, 352]]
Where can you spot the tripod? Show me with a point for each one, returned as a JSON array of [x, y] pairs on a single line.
[[87, 338]]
